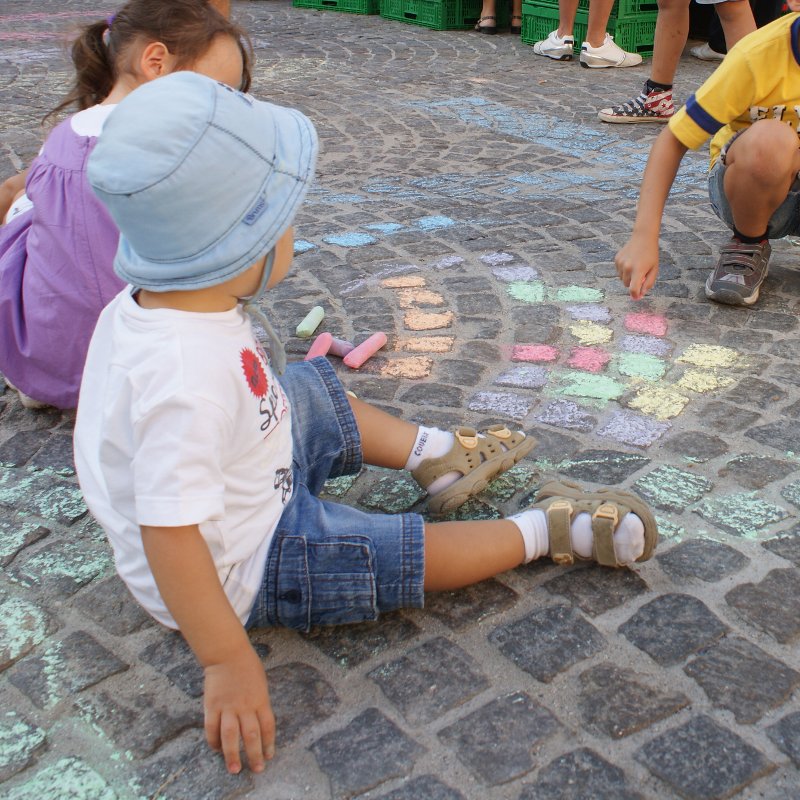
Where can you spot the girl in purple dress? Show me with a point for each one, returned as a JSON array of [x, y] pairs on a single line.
[[58, 243]]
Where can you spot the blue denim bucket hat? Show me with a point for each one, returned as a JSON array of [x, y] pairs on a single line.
[[202, 180]]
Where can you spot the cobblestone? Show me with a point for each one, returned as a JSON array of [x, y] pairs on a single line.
[[469, 204]]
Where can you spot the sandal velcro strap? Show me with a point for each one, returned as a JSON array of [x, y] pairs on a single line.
[[559, 520], [604, 522], [607, 508], [478, 458]]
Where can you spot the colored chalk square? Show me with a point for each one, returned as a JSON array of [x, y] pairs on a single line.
[[659, 403], [709, 356], [526, 291], [576, 294], [350, 239], [523, 377], [421, 321], [640, 365], [356, 357], [493, 259], [590, 387], [310, 322], [633, 429], [534, 352], [652, 324], [403, 282], [590, 333], [515, 274], [589, 311], [589, 359], [702, 381], [412, 297], [320, 346]]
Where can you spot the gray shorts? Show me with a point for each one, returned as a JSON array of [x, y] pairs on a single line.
[[784, 222]]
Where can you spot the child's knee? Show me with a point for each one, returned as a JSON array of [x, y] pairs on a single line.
[[768, 150]]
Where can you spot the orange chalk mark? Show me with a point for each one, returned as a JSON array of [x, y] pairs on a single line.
[[414, 367], [420, 321], [409, 298], [403, 281], [426, 344]]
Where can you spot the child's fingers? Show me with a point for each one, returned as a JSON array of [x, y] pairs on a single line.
[[230, 737], [266, 720], [251, 736], [211, 726]]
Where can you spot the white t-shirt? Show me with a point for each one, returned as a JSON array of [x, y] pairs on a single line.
[[181, 421]]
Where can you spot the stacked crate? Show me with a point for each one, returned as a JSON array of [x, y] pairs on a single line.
[[442, 15], [632, 23], [351, 6]]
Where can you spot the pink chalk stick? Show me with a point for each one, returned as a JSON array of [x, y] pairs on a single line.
[[340, 347], [320, 347], [356, 357]]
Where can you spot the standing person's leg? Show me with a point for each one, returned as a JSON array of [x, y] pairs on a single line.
[[753, 189], [560, 44], [488, 19], [736, 18], [516, 17], [655, 103], [600, 50]]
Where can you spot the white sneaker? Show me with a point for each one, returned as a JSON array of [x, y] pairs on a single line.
[[705, 53], [608, 54], [556, 47]]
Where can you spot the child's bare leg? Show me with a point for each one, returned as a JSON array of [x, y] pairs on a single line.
[[672, 30], [386, 441], [462, 553], [599, 12], [761, 166], [737, 20]]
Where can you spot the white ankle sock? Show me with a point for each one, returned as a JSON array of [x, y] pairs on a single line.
[[430, 443], [532, 524]]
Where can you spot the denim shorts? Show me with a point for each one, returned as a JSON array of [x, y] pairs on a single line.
[[785, 221], [328, 563]]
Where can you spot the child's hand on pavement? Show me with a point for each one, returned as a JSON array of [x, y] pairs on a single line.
[[238, 709], [637, 265]]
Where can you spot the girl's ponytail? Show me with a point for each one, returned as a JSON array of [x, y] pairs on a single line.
[[104, 49], [94, 69]]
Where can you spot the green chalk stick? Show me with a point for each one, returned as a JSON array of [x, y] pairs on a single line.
[[311, 322]]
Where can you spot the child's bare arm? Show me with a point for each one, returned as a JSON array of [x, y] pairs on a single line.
[[236, 698], [637, 261], [10, 190]]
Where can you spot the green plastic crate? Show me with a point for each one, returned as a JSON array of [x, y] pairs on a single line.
[[625, 8], [441, 15], [633, 34], [350, 6]]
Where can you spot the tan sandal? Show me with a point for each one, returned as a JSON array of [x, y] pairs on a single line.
[[562, 501], [477, 458]]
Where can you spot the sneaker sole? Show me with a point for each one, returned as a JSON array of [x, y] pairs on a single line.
[[606, 64], [731, 298], [565, 57], [629, 120]]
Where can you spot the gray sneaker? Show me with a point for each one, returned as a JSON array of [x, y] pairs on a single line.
[[740, 271]]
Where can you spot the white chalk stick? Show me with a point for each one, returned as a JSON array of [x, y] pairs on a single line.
[[320, 347], [356, 357], [310, 322]]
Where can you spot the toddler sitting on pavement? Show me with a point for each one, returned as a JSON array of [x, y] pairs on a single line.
[[202, 459]]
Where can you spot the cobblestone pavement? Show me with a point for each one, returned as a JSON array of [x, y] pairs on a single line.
[[469, 205]]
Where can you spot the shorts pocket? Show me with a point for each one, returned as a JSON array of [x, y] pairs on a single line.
[[326, 582]]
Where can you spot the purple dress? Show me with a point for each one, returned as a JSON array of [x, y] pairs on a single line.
[[56, 273]]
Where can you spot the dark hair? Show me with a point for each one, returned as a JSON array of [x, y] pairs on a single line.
[[186, 27]]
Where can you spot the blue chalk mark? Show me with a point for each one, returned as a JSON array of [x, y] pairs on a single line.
[[434, 223], [349, 239], [302, 246], [384, 227]]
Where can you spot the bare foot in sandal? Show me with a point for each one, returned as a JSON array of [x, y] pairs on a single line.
[[469, 463], [612, 527]]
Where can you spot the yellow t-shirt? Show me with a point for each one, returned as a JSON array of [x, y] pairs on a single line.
[[759, 79]]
